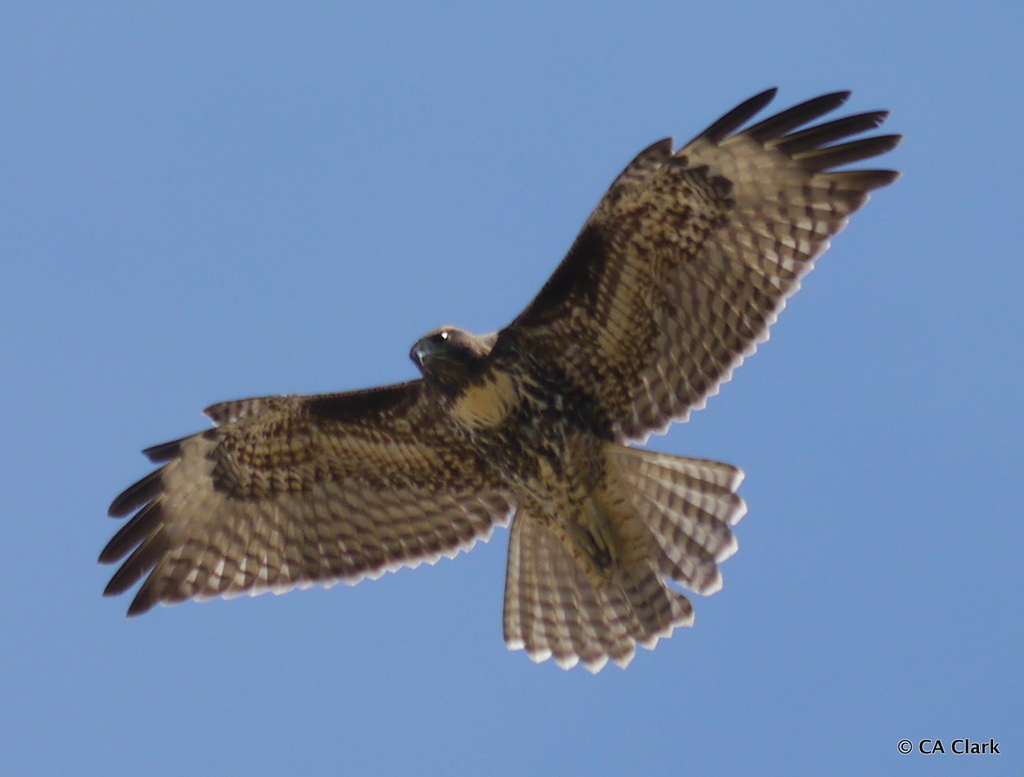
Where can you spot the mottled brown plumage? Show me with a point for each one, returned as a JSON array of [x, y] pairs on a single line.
[[674, 279]]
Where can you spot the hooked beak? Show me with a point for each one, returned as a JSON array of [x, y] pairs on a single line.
[[422, 351]]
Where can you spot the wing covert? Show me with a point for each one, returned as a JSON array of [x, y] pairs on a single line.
[[689, 258], [296, 490]]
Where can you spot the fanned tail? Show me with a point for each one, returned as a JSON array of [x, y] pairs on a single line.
[[668, 517]]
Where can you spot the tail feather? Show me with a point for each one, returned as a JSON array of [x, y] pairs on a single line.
[[688, 507], [551, 607], [668, 516]]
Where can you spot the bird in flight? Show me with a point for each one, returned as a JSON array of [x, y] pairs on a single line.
[[673, 280]]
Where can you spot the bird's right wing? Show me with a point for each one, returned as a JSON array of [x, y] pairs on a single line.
[[296, 490]]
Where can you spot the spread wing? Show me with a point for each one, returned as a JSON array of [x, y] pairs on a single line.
[[295, 490], [689, 258]]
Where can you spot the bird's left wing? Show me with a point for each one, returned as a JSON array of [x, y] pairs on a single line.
[[688, 259], [296, 490]]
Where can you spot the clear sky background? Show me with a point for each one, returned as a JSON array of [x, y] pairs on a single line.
[[204, 201]]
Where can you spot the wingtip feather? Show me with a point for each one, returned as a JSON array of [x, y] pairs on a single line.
[[165, 451], [791, 118], [137, 494], [738, 116], [142, 603]]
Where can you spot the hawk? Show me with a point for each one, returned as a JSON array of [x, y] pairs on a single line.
[[673, 281]]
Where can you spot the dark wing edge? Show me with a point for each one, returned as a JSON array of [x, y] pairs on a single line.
[[293, 491], [690, 257]]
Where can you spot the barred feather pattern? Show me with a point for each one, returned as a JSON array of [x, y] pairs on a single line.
[[553, 608], [675, 279], [690, 257], [295, 491], [688, 506], [681, 508]]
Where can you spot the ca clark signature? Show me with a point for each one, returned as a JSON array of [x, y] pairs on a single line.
[[958, 746]]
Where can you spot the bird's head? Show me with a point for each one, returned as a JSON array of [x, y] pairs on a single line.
[[449, 356]]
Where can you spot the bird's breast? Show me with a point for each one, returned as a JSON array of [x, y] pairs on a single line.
[[485, 404]]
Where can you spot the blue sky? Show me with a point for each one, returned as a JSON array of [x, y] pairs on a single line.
[[205, 201]]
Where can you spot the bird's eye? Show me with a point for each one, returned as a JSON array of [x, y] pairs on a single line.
[[444, 334]]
